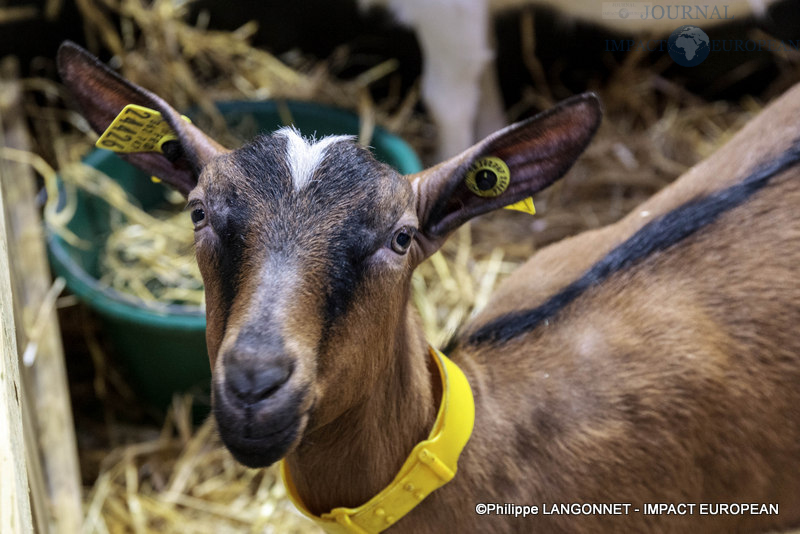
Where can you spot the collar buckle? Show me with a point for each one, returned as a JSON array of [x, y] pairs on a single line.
[[438, 467], [342, 517]]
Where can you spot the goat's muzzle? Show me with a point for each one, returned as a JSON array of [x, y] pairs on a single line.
[[259, 413]]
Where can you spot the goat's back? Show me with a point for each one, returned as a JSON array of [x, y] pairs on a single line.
[[674, 378]]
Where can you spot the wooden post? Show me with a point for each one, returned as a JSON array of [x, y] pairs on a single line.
[[54, 473], [15, 510]]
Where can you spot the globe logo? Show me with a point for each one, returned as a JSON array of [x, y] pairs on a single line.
[[688, 46]]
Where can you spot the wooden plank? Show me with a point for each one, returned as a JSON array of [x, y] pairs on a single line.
[[49, 414], [15, 511]]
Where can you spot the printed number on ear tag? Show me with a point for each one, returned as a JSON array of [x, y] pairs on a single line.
[[489, 177], [137, 129]]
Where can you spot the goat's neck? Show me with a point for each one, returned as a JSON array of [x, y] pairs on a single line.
[[347, 462]]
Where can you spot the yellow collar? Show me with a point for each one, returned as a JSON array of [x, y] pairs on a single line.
[[431, 464]]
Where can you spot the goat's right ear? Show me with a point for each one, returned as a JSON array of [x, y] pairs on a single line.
[[505, 168], [101, 95]]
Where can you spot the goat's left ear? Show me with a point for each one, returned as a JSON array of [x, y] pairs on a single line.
[[506, 167]]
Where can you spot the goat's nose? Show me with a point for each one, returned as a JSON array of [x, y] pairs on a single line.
[[251, 382]]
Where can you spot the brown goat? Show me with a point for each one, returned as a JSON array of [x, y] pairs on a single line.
[[652, 361]]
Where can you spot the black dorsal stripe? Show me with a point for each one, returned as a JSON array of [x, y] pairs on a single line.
[[657, 235]]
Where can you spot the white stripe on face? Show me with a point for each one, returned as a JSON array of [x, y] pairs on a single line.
[[304, 156]]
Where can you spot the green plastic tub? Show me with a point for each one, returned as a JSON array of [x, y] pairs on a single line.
[[164, 351]]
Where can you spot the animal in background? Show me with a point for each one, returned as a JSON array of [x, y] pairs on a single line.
[[460, 85]]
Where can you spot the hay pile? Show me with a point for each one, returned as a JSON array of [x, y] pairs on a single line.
[[183, 481]]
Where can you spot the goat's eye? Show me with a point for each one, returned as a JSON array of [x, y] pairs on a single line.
[[198, 217], [402, 238]]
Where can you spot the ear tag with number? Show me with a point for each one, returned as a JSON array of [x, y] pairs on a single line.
[[137, 129], [489, 176]]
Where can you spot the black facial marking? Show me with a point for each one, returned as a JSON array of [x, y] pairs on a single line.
[[655, 236], [229, 264], [330, 226], [350, 186], [233, 209]]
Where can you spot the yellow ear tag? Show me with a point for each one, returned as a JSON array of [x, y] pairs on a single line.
[[137, 129], [525, 205], [489, 177]]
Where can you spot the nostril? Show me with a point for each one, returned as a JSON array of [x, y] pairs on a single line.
[[252, 383]]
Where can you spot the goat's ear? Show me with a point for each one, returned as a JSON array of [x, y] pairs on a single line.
[[506, 167], [101, 95]]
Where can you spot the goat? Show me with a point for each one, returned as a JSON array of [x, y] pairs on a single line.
[[653, 361], [459, 84]]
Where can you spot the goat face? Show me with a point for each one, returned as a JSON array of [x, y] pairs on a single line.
[[301, 246], [307, 249]]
